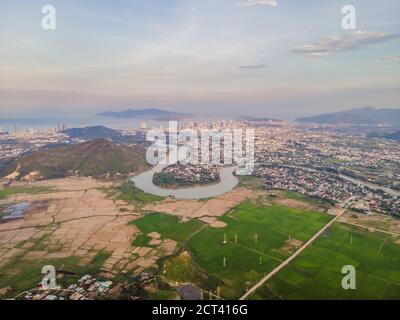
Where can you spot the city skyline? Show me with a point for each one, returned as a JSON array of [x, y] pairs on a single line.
[[238, 57]]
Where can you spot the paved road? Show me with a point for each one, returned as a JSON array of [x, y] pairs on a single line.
[[292, 257]]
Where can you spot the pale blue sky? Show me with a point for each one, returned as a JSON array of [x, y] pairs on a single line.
[[218, 57]]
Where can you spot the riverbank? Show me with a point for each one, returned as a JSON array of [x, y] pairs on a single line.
[[227, 182]]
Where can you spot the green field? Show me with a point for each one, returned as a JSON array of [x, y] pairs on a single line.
[[257, 242], [248, 259], [316, 273], [261, 233], [168, 226], [141, 240]]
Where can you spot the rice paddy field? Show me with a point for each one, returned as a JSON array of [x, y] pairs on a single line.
[[256, 239], [316, 273], [169, 227]]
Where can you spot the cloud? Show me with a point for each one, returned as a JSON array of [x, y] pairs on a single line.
[[252, 3], [352, 41], [392, 58], [253, 66]]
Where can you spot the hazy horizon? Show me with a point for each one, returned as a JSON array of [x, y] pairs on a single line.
[[200, 115], [264, 58]]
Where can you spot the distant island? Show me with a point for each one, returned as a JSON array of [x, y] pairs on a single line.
[[152, 114], [360, 116]]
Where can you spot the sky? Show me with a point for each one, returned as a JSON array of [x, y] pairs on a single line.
[[283, 58]]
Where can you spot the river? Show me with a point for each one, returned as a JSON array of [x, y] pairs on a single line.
[[228, 181]]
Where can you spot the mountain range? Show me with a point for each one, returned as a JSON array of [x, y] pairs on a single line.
[[359, 116], [390, 136]]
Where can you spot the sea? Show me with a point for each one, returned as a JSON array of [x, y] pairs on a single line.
[[39, 123], [43, 123]]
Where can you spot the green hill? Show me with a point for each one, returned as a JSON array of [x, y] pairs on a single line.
[[96, 158]]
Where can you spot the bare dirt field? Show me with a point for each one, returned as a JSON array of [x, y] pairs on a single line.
[[297, 204], [77, 220], [207, 211], [375, 222]]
